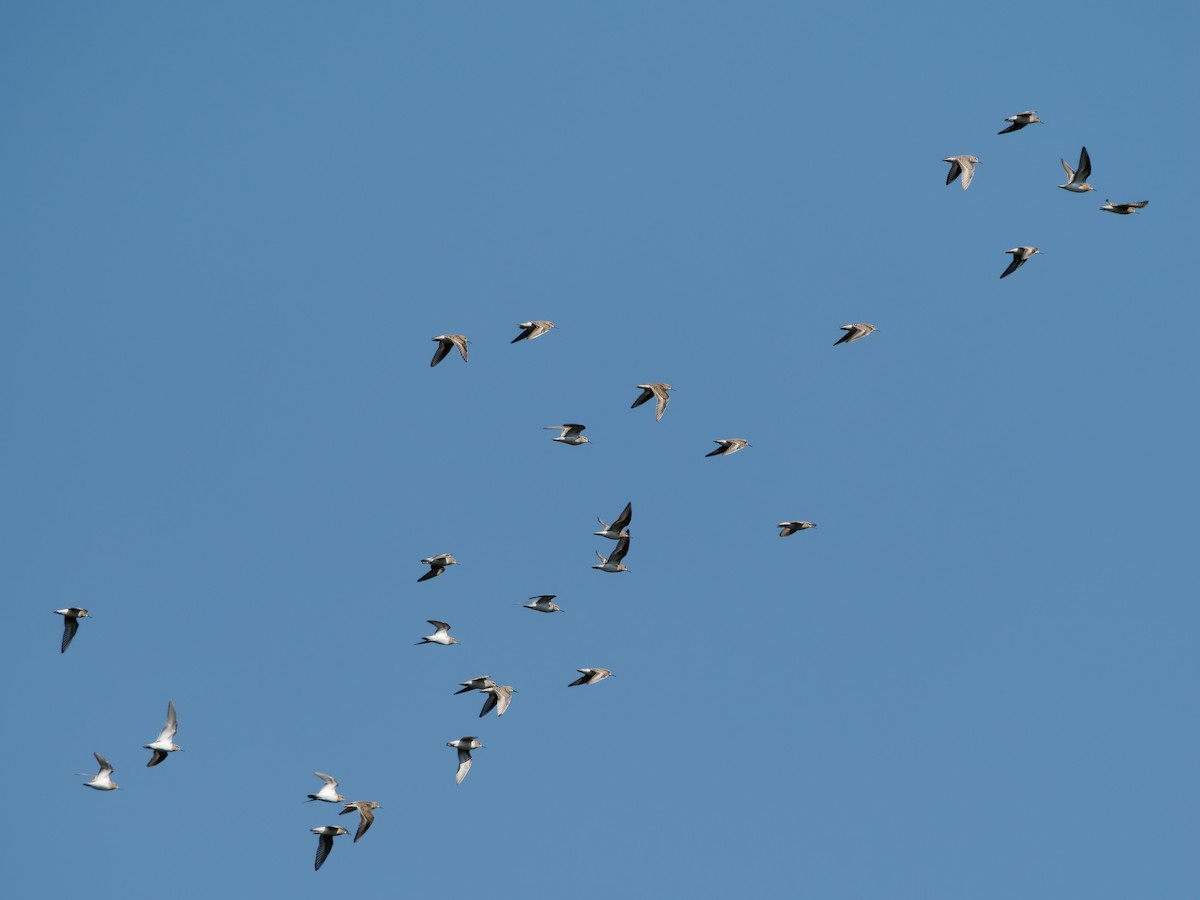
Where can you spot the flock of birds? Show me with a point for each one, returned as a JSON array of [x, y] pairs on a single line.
[[498, 697], [963, 168]]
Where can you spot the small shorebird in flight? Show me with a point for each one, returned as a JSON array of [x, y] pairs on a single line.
[[482, 683], [788, 528], [328, 791], [437, 565], [854, 332], [590, 676], [366, 817], [728, 445], [464, 745], [1077, 178], [440, 636], [446, 343], [616, 530], [1020, 120], [534, 329], [658, 391], [543, 603], [961, 166], [164, 743], [72, 614], [325, 835], [1020, 256], [613, 563], [498, 698], [570, 434], [1121, 209], [102, 780]]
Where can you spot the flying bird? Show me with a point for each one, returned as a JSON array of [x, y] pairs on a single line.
[[1077, 178], [616, 530], [961, 166], [542, 603], [727, 446], [325, 835], [1020, 120], [1121, 209], [72, 614], [437, 565], [164, 743], [446, 343], [534, 329], [613, 562], [328, 791], [854, 332], [440, 636], [1020, 256], [570, 434], [498, 698], [366, 817], [658, 391], [102, 780], [482, 683], [590, 676], [788, 528], [464, 745]]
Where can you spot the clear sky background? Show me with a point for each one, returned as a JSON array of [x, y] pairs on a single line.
[[229, 232]]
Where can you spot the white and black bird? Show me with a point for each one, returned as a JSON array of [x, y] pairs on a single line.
[[1020, 120], [1121, 209], [464, 745], [499, 696], [328, 791], [1020, 256], [543, 603], [441, 635], [961, 167], [1077, 178], [102, 780], [365, 815], [71, 616], [789, 528], [727, 446], [446, 343], [482, 683], [531, 330], [854, 332], [659, 392], [616, 530], [612, 562], [437, 565], [165, 742], [590, 676], [571, 434], [325, 835]]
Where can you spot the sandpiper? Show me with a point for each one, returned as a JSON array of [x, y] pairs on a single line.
[[571, 434], [787, 528], [1020, 256], [727, 446], [164, 743], [1020, 120], [482, 683], [1077, 178], [328, 791], [543, 603], [498, 698], [366, 817], [326, 834], [854, 332], [658, 391], [446, 343], [440, 636], [534, 329], [613, 563], [963, 166], [72, 614], [1121, 209], [590, 676], [437, 565], [464, 745], [102, 780], [616, 530]]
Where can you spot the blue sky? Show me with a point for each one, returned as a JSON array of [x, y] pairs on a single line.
[[230, 232]]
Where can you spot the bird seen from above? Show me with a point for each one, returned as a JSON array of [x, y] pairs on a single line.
[[1121, 209], [570, 434], [464, 745], [164, 743], [1020, 120], [590, 676], [102, 780], [328, 791], [961, 167], [446, 343], [437, 565], [1077, 178], [440, 636], [658, 391], [71, 616], [854, 332], [612, 563], [789, 528], [616, 530], [325, 835], [365, 816], [534, 329], [727, 446], [1020, 256]]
